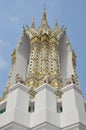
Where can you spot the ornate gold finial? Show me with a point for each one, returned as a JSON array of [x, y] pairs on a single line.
[[44, 23], [33, 23], [44, 14]]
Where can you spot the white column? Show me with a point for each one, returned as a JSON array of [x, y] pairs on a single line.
[[45, 98], [73, 107], [45, 107], [17, 105]]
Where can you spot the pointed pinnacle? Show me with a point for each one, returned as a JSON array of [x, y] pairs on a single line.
[[33, 23], [44, 14], [44, 23], [56, 23]]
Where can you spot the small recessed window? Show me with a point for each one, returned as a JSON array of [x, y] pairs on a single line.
[[2, 110], [31, 107], [59, 107]]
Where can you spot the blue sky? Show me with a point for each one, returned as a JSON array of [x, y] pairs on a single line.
[[16, 13]]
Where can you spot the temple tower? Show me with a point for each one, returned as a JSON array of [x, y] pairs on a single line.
[[43, 91]]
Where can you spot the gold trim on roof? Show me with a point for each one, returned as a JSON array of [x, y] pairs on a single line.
[[45, 37], [35, 39], [54, 40]]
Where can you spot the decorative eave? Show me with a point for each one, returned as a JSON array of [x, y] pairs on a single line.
[[53, 39], [35, 39], [30, 32], [45, 37]]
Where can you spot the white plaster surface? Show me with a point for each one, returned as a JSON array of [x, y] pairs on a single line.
[[45, 116]]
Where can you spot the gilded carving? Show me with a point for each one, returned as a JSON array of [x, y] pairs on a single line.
[[70, 80], [32, 80], [54, 40], [74, 59], [45, 37], [19, 79], [32, 92], [47, 80], [13, 56], [35, 39], [58, 92]]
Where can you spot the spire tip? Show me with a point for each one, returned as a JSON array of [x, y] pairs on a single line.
[[44, 7], [44, 14], [56, 23], [33, 23]]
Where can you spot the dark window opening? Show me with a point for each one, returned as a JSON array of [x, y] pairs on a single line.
[[59, 107], [31, 107], [2, 110]]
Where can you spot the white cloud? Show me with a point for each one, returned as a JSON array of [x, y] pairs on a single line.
[[13, 18], [3, 64]]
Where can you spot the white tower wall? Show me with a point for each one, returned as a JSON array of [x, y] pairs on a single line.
[[45, 108], [22, 58], [73, 108], [65, 56], [53, 105], [16, 114]]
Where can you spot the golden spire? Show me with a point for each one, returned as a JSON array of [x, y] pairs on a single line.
[[44, 14], [44, 23], [33, 23]]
